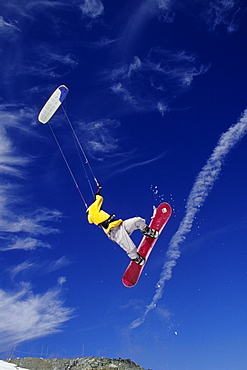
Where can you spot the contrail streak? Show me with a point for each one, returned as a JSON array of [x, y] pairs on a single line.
[[199, 192]]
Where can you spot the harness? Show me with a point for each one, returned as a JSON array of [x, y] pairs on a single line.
[[107, 222]]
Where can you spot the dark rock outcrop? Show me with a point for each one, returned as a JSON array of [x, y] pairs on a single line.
[[84, 363]]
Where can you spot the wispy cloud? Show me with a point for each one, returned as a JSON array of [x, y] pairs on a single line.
[[16, 116], [8, 29], [21, 267], [223, 13], [38, 267], [216, 13], [144, 12], [124, 93], [58, 264], [33, 223], [52, 56], [134, 304], [10, 165], [152, 83], [23, 243], [39, 59], [200, 190], [24, 231], [99, 140], [19, 229], [25, 315], [98, 136], [103, 42], [50, 63], [91, 8], [28, 9], [43, 4], [124, 168]]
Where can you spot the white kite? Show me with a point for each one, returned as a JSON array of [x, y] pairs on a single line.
[[52, 104]]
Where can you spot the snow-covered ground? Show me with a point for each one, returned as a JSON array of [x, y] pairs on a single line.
[[6, 366]]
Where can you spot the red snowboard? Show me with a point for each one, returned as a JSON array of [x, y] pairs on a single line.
[[159, 219]]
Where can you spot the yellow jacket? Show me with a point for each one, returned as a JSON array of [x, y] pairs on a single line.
[[96, 215]]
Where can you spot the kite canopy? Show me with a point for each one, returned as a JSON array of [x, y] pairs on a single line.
[[52, 104]]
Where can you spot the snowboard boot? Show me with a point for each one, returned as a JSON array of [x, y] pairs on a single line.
[[139, 260], [147, 231]]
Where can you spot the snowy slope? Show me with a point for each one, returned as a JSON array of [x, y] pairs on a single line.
[[6, 366]]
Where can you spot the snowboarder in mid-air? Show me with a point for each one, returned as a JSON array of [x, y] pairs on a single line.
[[117, 230]]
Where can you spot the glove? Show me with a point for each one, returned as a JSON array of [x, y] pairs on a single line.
[[98, 191]]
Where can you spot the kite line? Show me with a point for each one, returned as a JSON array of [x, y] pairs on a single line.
[[79, 144], [46, 113], [68, 166]]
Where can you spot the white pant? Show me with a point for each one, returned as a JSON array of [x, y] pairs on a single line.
[[121, 234]]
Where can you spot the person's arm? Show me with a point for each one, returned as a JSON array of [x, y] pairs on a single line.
[[98, 202]]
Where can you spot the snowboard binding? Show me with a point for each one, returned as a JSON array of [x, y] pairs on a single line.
[[139, 260], [147, 231]]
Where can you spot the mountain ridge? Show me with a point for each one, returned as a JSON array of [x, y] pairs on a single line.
[[84, 363]]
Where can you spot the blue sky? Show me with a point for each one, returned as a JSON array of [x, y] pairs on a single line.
[[158, 100]]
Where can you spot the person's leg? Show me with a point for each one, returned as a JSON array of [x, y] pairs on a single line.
[[120, 236], [133, 224]]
